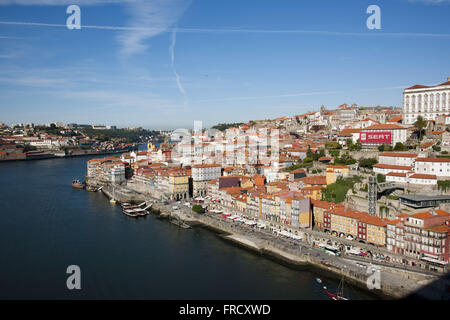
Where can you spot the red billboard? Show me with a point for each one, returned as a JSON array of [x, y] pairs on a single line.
[[375, 137]]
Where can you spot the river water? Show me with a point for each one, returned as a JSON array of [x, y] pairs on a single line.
[[46, 225]]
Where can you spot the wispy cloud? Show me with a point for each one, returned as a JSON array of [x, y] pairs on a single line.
[[272, 96], [172, 61], [299, 94], [430, 1], [146, 32], [146, 18], [61, 2]]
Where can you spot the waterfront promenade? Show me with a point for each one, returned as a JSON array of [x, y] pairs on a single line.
[[397, 281]]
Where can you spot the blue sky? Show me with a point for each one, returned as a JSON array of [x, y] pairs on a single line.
[[166, 63]]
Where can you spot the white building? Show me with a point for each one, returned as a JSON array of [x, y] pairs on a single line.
[[434, 166], [378, 134], [412, 178], [117, 174], [388, 168], [201, 174], [397, 158], [426, 101]]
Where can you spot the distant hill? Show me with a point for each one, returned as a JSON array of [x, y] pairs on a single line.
[[225, 126]]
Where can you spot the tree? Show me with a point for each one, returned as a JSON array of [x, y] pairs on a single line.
[[367, 162], [400, 147], [354, 146], [381, 178], [420, 125], [385, 147], [321, 153], [346, 159], [198, 208], [436, 148], [309, 153], [333, 145], [334, 153]]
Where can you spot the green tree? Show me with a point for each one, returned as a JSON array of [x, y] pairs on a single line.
[[367, 162], [355, 146], [385, 147], [198, 208], [333, 145], [337, 191], [309, 153], [420, 125], [400, 147], [436, 148], [381, 177], [334, 153]]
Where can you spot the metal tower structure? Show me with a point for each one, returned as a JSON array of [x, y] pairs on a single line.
[[372, 195]]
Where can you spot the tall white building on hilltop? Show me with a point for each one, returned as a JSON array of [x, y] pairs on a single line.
[[426, 101]]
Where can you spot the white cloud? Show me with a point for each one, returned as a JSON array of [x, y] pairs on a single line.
[[148, 18], [172, 61], [431, 1], [60, 2]]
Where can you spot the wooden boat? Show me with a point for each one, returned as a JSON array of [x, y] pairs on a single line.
[[130, 213], [339, 295], [77, 184], [141, 212], [92, 189]]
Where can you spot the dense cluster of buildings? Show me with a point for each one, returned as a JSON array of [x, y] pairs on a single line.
[[279, 170], [29, 141]]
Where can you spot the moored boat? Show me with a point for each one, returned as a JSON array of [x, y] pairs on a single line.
[[339, 295], [141, 212], [92, 189], [78, 184], [130, 213]]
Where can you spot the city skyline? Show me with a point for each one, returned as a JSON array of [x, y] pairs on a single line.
[[165, 64]]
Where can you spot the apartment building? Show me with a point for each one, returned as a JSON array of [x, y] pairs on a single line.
[[427, 235], [433, 166], [201, 174], [426, 101]]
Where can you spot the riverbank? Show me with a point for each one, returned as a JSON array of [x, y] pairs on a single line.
[[393, 283], [44, 155]]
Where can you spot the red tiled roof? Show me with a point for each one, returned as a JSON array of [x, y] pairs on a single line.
[[389, 166], [384, 126], [423, 176], [349, 131], [375, 221], [341, 211], [315, 180], [396, 174], [398, 155], [417, 86], [395, 119], [428, 214], [433, 160], [326, 204]]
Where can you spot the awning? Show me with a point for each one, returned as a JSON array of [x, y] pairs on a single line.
[[443, 263]]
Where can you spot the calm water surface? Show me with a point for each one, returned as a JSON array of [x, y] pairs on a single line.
[[46, 225]]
